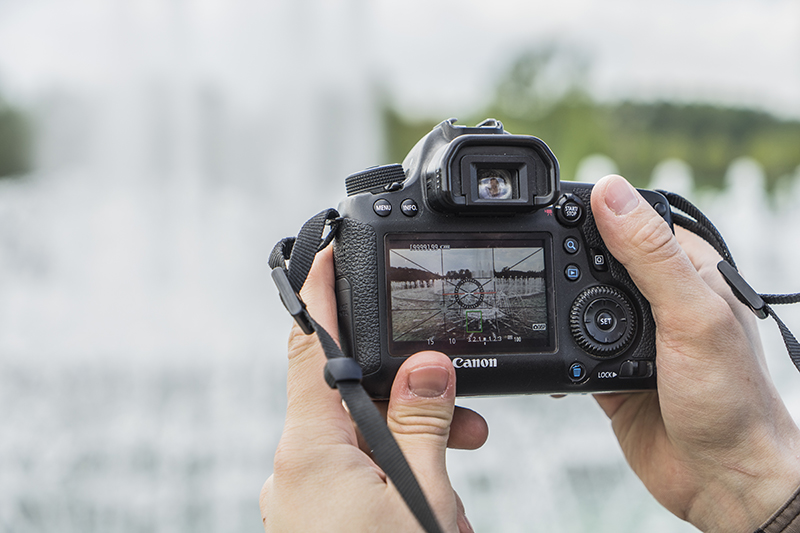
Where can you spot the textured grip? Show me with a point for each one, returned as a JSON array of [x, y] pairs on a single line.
[[647, 345], [355, 254]]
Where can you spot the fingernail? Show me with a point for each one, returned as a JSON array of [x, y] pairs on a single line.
[[620, 197], [428, 382]]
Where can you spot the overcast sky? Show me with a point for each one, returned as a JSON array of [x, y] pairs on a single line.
[[745, 51], [438, 56]]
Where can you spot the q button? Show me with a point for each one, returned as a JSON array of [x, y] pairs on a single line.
[[409, 207]]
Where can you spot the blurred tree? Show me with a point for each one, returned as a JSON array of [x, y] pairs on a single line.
[[15, 142], [542, 95]]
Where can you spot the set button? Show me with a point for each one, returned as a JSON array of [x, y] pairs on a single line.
[[605, 320]]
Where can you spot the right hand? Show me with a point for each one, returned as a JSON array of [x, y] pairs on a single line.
[[715, 444]]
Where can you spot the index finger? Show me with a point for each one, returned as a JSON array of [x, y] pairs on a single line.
[[314, 410]]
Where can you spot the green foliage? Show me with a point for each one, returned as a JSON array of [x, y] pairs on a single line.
[[636, 135], [15, 142], [402, 134]]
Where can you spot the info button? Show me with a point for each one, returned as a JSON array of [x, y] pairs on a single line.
[[409, 207]]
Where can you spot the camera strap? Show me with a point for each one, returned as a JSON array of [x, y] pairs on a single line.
[[341, 372], [689, 217], [344, 373]]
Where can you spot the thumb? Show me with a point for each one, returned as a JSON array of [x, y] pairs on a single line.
[[643, 242], [419, 414]]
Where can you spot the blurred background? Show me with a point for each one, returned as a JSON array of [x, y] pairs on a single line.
[[142, 147]]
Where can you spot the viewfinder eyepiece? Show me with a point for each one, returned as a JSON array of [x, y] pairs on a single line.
[[491, 174], [496, 184]]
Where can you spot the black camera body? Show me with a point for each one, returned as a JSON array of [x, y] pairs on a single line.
[[473, 247]]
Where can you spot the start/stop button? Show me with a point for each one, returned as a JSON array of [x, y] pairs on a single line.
[[570, 210]]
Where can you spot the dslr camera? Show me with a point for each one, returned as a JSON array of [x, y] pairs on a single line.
[[474, 247]]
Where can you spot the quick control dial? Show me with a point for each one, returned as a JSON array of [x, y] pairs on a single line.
[[602, 321]]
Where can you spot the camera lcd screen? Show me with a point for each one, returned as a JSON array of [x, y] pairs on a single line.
[[460, 293]]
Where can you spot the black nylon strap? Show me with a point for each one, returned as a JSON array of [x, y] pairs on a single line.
[[781, 299], [281, 253], [792, 346], [695, 221], [380, 440], [300, 251], [387, 454]]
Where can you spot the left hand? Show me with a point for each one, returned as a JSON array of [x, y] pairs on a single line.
[[323, 480]]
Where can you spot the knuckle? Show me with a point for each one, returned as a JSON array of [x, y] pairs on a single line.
[[708, 321], [297, 460], [288, 463], [719, 323], [434, 422], [711, 321], [301, 344], [655, 241]]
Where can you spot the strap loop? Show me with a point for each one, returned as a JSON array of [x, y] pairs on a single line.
[[291, 300], [341, 369], [743, 291], [696, 222]]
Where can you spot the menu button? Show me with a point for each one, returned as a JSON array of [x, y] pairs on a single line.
[[382, 207]]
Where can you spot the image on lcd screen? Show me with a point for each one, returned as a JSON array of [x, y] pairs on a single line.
[[468, 294]]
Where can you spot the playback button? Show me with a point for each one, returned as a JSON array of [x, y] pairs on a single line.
[[572, 272]]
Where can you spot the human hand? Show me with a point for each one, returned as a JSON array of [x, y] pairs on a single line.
[[715, 444], [323, 480]]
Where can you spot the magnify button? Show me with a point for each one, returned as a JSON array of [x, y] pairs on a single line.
[[571, 245]]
